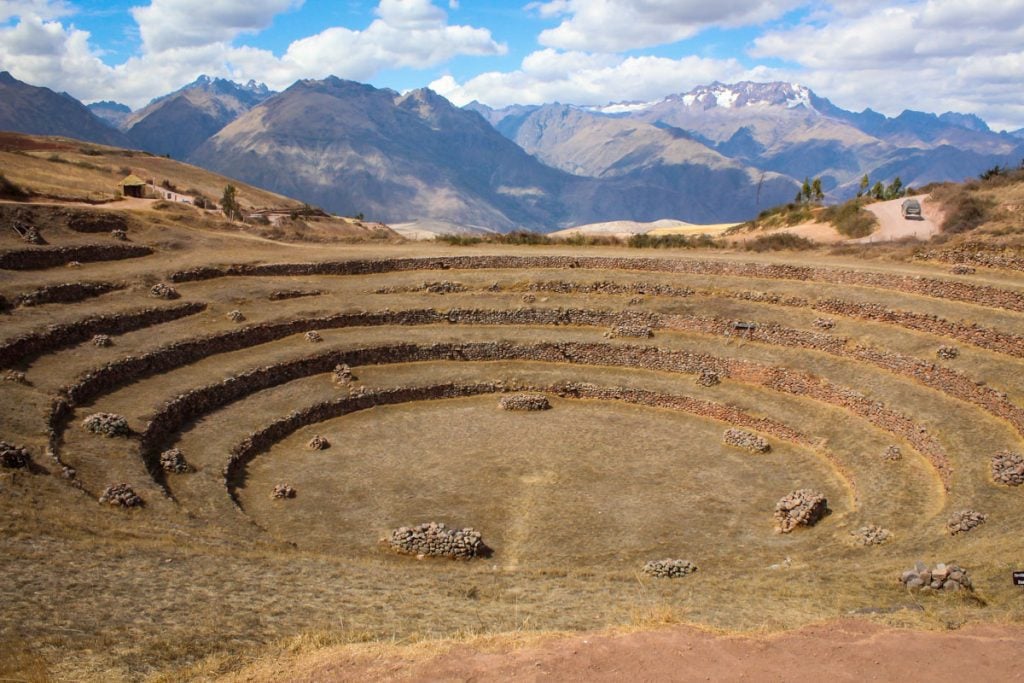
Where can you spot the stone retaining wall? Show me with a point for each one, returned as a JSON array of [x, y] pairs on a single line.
[[436, 540], [49, 257], [66, 293], [977, 254]]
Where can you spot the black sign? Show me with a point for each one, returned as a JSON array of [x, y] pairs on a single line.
[[1018, 578]]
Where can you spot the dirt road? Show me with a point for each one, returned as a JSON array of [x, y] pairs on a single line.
[[893, 226]]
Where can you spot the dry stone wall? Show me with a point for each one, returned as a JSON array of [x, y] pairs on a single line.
[[48, 257], [669, 568], [434, 539], [66, 293], [527, 402], [977, 254]]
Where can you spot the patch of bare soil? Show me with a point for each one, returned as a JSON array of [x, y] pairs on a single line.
[[847, 650]]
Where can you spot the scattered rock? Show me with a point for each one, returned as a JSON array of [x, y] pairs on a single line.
[[824, 323], [892, 454], [102, 340], [313, 336], [943, 576], [749, 441], [961, 269], [342, 374], [443, 287], [947, 352], [108, 424], [436, 540], [872, 535], [708, 377], [164, 291], [525, 402], [173, 460], [235, 316], [283, 491], [669, 569], [963, 521], [318, 443], [13, 457], [73, 264], [15, 376], [119, 234], [1008, 468], [802, 507], [121, 495], [529, 298]]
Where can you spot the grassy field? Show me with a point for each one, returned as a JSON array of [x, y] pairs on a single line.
[[572, 500]]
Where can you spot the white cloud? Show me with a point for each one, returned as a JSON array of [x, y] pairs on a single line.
[[619, 25], [42, 9], [584, 78], [168, 24]]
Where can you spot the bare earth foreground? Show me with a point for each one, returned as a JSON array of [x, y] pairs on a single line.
[[845, 650]]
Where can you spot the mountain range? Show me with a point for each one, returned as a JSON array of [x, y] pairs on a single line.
[[717, 153]]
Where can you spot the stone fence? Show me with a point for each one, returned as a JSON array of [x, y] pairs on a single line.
[[48, 257]]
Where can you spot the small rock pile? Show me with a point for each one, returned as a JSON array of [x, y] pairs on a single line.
[[318, 443], [892, 454], [668, 569], [283, 491], [749, 441], [947, 576], [824, 323], [119, 234], [164, 291], [435, 539], [173, 460], [342, 374], [947, 352], [13, 457], [708, 377], [961, 269], [1008, 468], [802, 507], [102, 340], [235, 316], [963, 521], [529, 298], [121, 495], [108, 424], [15, 376], [443, 287], [32, 236], [525, 402], [313, 336], [871, 535]]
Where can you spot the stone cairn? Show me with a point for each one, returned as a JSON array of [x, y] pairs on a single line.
[[947, 352], [13, 457], [802, 507], [436, 540], [871, 535], [235, 316], [173, 460], [748, 441], [961, 269], [121, 495], [708, 377], [668, 569], [824, 323], [164, 291], [1008, 468], [342, 374], [313, 336], [947, 576], [102, 340], [318, 443], [119, 234], [282, 491], [108, 424], [892, 454], [525, 402], [963, 521]]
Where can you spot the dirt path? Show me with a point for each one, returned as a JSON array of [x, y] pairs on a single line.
[[839, 651], [893, 226]]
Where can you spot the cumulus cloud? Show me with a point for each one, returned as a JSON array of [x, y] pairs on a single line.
[[586, 78], [168, 24], [620, 25]]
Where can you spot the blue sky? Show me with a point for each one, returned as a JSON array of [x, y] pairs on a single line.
[[959, 55]]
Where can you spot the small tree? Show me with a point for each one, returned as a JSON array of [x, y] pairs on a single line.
[[895, 189], [864, 185], [878, 190], [819, 195], [229, 204], [805, 190]]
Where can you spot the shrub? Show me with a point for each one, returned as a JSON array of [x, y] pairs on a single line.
[[965, 212], [673, 242], [778, 241], [851, 219]]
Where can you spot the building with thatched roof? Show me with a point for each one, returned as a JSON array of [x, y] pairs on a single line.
[[133, 186]]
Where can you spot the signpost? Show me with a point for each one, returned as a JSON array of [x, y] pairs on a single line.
[[1018, 578]]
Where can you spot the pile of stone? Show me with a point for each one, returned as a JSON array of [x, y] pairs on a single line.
[[529, 298], [824, 323], [163, 291], [313, 336], [318, 443], [31, 235], [436, 540], [282, 491], [1008, 468], [947, 576], [963, 521], [102, 340], [872, 535], [16, 376], [443, 287], [119, 234], [708, 377], [741, 438], [669, 569], [892, 454], [342, 374], [108, 424], [961, 269], [121, 495], [173, 460], [235, 316], [947, 352], [525, 402], [802, 507], [13, 457]]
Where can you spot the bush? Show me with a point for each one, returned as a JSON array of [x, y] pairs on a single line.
[[779, 241], [673, 242], [851, 219], [965, 212]]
